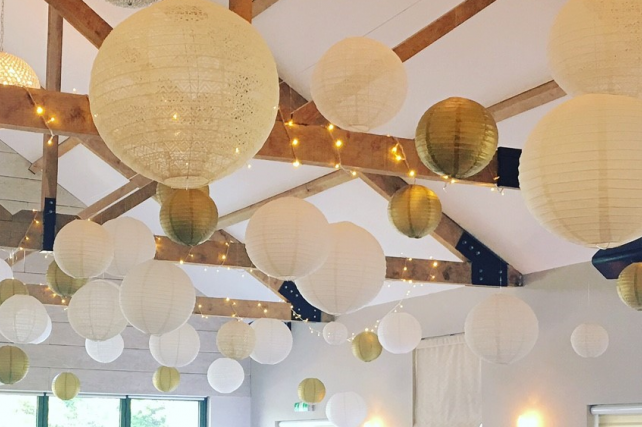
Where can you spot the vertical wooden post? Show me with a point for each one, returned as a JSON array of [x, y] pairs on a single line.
[[243, 8]]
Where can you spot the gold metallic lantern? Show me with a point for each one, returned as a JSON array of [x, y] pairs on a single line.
[[415, 211], [311, 390], [629, 286], [61, 283], [66, 386], [164, 193], [14, 364], [366, 346], [166, 379], [11, 287], [189, 217]]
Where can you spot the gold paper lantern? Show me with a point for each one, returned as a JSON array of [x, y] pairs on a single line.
[[166, 379], [16, 72], [366, 346], [163, 192], [11, 287], [14, 364], [629, 286], [415, 211], [457, 138], [66, 386], [311, 390], [189, 217], [61, 283]]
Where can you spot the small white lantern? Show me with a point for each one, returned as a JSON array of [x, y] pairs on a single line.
[[5, 270], [23, 319], [94, 311], [399, 333], [335, 333], [46, 334], [83, 249], [273, 341], [590, 340], [225, 375], [177, 348], [236, 340], [134, 244], [105, 351], [288, 238], [157, 297], [346, 409]]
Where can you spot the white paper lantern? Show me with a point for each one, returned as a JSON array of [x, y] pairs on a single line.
[[5, 270], [83, 249], [351, 277], [335, 333], [236, 340], [399, 333], [359, 84], [23, 319], [225, 375], [157, 297], [501, 329], [134, 244], [94, 311], [46, 334], [288, 238], [177, 348], [590, 340], [580, 171], [273, 341], [105, 351], [346, 409]]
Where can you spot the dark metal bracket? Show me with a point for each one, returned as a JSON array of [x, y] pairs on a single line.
[[300, 306], [49, 224], [488, 269]]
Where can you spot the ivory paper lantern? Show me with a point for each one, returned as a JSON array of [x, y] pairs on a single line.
[[288, 238], [157, 297], [184, 92], [94, 312], [61, 283], [415, 211], [225, 375], [189, 217], [66, 386], [501, 329], [629, 286], [46, 334], [351, 277], [166, 379], [132, 3], [359, 84], [15, 71], [335, 333], [14, 364], [164, 193], [11, 287], [399, 333], [595, 46], [236, 340], [273, 341], [83, 249], [134, 244], [590, 340], [346, 409], [23, 319], [105, 351], [5, 270], [456, 137], [311, 390], [366, 346], [579, 172], [177, 348]]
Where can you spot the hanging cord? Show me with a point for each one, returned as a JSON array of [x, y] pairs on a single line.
[[2, 27]]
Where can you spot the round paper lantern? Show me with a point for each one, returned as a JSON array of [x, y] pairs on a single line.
[[105, 351], [415, 211], [351, 277], [335, 333], [134, 244], [83, 249], [14, 364], [23, 319], [225, 375], [5, 270], [61, 283], [457, 138], [46, 334], [189, 217], [359, 84], [15, 71], [590, 340], [629, 286], [157, 297], [399, 333], [132, 3], [66, 386], [288, 238], [235, 340], [184, 92], [579, 171], [501, 329], [366, 346], [177, 348], [166, 379], [94, 312], [311, 390], [273, 341], [11, 287], [164, 193], [346, 409]]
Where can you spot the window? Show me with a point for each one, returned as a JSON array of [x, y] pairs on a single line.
[[84, 412], [18, 410], [164, 413], [617, 415]]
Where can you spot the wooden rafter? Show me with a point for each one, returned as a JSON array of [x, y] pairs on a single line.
[[63, 148], [126, 204], [83, 19], [242, 8], [525, 101], [260, 6], [113, 197]]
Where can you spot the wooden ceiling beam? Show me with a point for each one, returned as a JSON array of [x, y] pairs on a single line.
[[94, 209], [126, 204], [242, 8], [526, 101], [63, 148], [83, 18], [260, 6]]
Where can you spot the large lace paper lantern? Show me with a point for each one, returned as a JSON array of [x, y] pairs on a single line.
[[61, 283], [83, 249], [11, 287], [399, 333], [15, 71], [132, 4], [134, 244], [94, 312], [184, 92], [415, 211], [366, 346], [629, 286], [595, 46], [359, 84], [501, 329], [288, 238], [105, 351], [273, 341], [177, 348], [590, 340], [335, 333], [346, 409], [225, 375], [166, 379], [351, 277], [23, 319], [5, 270], [236, 340], [14, 364], [189, 217], [580, 170], [66, 386], [157, 297]]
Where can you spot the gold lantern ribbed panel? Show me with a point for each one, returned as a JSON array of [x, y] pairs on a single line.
[[311, 390], [366, 346], [629, 286], [14, 364], [166, 379], [189, 217], [415, 211], [11, 287], [132, 4], [16, 72], [66, 386], [456, 137], [184, 92], [61, 283], [164, 193]]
